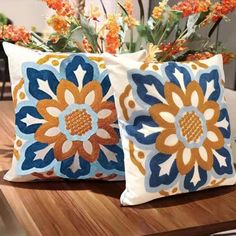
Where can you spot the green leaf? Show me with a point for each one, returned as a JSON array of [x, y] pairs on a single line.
[[89, 32], [59, 46], [62, 45], [177, 31], [192, 24], [167, 26], [3, 19], [202, 17], [146, 33], [131, 46], [194, 21], [73, 26], [77, 35], [141, 30]]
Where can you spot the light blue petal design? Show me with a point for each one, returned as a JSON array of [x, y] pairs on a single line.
[[191, 184], [177, 74], [79, 69], [143, 130], [162, 172], [35, 157], [148, 87], [40, 81], [209, 80], [223, 164]]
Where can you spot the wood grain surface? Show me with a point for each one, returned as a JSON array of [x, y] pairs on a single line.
[[9, 225], [93, 208]]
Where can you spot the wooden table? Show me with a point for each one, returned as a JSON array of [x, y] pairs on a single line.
[[93, 208]]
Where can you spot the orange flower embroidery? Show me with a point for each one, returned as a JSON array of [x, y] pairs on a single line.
[[190, 126], [74, 125]]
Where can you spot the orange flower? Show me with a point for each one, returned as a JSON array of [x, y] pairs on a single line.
[[199, 56], [59, 24], [130, 21], [219, 10], [129, 6], [158, 10], [112, 37], [227, 57], [189, 7], [173, 48], [14, 34], [62, 7]]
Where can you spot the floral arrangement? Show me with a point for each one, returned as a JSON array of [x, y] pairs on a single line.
[[171, 33]]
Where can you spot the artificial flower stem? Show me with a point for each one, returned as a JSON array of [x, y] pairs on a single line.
[[162, 36], [141, 11], [37, 37], [217, 36], [131, 40], [103, 7]]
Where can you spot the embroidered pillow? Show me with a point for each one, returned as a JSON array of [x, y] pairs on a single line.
[[66, 123], [174, 127]]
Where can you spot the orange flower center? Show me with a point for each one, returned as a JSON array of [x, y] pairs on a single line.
[[78, 122], [191, 127]]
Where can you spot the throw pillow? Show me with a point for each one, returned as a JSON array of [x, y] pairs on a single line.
[[66, 123], [174, 127]]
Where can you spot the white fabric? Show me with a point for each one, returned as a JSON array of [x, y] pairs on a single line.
[[17, 56], [135, 192]]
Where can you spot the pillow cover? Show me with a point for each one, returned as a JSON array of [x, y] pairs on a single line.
[[231, 101], [66, 123], [174, 127]]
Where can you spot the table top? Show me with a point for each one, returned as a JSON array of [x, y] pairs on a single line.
[[93, 208]]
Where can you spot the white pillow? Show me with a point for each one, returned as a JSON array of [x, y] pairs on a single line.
[[174, 127], [66, 123], [231, 102]]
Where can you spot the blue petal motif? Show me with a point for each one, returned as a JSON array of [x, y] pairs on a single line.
[[170, 71], [143, 82], [30, 162], [82, 171], [23, 113], [139, 123], [34, 76], [32, 159], [222, 169], [106, 85], [107, 162], [187, 180], [225, 115], [206, 79], [156, 179], [70, 66]]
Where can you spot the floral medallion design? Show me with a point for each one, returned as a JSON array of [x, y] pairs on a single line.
[[68, 121], [186, 127]]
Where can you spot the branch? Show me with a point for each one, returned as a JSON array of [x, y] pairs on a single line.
[[103, 7], [141, 11], [214, 27]]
